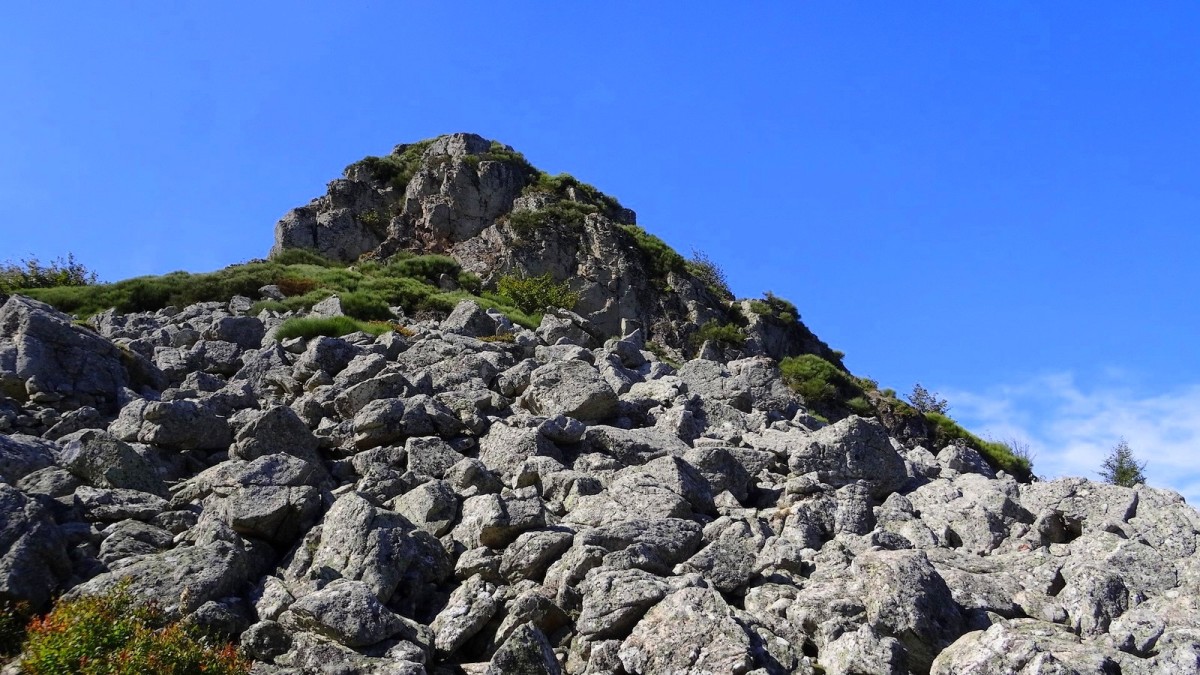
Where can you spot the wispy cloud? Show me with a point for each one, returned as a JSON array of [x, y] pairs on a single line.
[[1072, 427]]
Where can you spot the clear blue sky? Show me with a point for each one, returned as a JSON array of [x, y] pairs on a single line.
[[999, 200]]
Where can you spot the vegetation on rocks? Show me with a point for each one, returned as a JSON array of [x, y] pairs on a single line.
[[773, 305], [998, 455], [1122, 468], [710, 274], [660, 257], [32, 273], [724, 334], [832, 392], [334, 326], [111, 634], [536, 294], [396, 169]]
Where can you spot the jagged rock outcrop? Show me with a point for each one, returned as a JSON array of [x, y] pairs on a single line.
[[358, 500], [481, 203]]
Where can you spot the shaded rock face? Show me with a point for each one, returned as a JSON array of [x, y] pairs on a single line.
[[459, 201]]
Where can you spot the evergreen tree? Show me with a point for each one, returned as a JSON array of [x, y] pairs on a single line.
[[1121, 468]]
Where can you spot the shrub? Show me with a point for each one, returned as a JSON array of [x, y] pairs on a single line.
[[660, 257], [536, 294], [562, 214], [31, 273], [710, 273], [366, 306], [303, 256], [927, 401], [773, 305], [292, 286], [723, 333], [112, 635], [13, 618], [1121, 468], [824, 387], [997, 455], [396, 169]]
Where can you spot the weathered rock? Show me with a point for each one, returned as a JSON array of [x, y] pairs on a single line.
[[278, 429], [346, 611], [46, 359], [21, 455], [571, 388], [179, 580], [853, 449], [33, 553], [180, 425], [1025, 647], [710, 640], [101, 460], [470, 607], [526, 651]]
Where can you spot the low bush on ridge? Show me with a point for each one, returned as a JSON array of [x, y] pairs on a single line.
[[112, 634]]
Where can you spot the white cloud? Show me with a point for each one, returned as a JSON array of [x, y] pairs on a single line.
[[1072, 428]]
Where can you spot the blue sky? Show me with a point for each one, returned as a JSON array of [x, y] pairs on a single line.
[[998, 200]]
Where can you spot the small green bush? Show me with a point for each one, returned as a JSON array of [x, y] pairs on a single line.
[[726, 334], [773, 305], [31, 273], [536, 294], [112, 635], [709, 273], [660, 257], [998, 455], [558, 214], [366, 306], [303, 256], [398, 168], [829, 390]]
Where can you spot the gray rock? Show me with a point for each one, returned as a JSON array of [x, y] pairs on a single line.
[[33, 553], [470, 319], [906, 598], [431, 506], [360, 542], [346, 611], [653, 545], [571, 388], [128, 538], [277, 429], [265, 640], [632, 446], [863, 651], [21, 455], [101, 460], [46, 359], [430, 456], [710, 641], [180, 425], [615, 600], [506, 448], [1024, 647], [496, 520], [853, 449], [179, 580], [526, 651], [278, 514], [113, 504], [470, 607], [245, 331], [528, 556]]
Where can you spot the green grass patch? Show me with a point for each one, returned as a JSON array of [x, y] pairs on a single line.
[[998, 455], [827, 389], [773, 305], [398, 168], [536, 294], [334, 326], [558, 214], [113, 635], [660, 258]]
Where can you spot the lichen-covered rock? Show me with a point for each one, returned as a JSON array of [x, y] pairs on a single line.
[[46, 359], [690, 631], [572, 388]]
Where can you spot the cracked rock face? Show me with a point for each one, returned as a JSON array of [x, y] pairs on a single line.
[[437, 503]]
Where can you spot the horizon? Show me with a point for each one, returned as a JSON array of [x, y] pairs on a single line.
[[991, 201]]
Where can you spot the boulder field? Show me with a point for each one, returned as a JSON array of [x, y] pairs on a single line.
[[468, 496]]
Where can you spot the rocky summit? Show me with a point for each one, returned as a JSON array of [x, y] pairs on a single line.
[[455, 492]]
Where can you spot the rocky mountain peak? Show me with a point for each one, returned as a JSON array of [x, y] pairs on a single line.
[[483, 204]]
